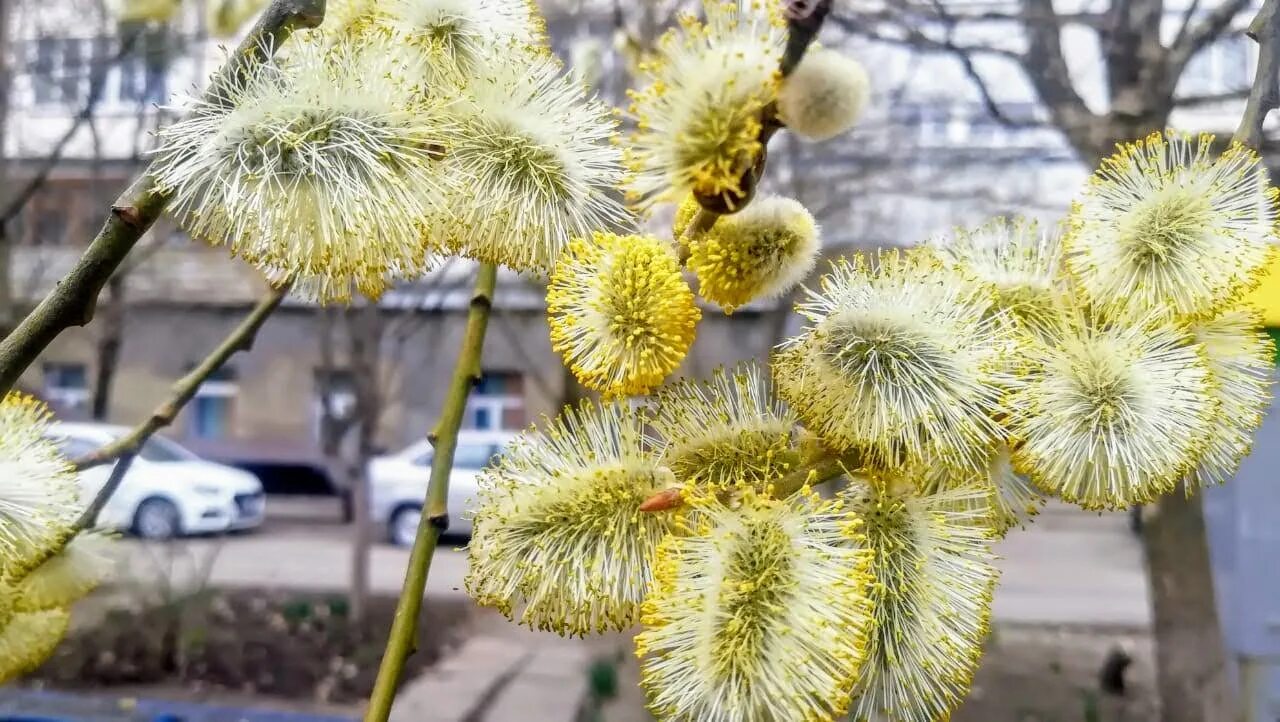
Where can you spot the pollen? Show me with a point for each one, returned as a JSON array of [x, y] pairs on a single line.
[[934, 581], [27, 639], [1116, 412], [1019, 260], [725, 432], [318, 165], [621, 314], [1241, 363], [535, 167], [39, 495]]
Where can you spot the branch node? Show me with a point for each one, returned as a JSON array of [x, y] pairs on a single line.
[[440, 522], [130, 216]]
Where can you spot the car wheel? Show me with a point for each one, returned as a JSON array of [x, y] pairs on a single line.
[[157, 519], [403, 527]]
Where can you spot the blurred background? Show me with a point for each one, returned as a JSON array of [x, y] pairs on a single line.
[[251, 588]]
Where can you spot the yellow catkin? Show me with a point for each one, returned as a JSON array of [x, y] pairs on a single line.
[[558, 541], [698, 115], [620, 312], [760, 252], [1166, 224], [28, 639], [761, 613], [934, 580]]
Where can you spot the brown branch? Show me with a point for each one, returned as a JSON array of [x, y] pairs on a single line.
[[1191, 101], [72, 301], [1196, 37], [90, 515], [97, 83], [240, 339], [1046, 68], [914, 38], [804, 20], [1265, 95], [965, 58]]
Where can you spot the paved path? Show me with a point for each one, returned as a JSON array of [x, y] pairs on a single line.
[[1073, 567], [1070, 567]]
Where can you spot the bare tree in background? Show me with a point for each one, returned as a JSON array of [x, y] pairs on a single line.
[[18, 193], [1140, 71]]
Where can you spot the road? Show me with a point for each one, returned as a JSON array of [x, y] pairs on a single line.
[[1070, 567]]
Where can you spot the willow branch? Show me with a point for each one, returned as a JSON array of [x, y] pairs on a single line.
[[435, 517], [826, 466], [72, 301], [240, 339], [1264, 96], [90, 515], [804, 20]]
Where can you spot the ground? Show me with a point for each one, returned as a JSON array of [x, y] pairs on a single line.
[[1072, 590]]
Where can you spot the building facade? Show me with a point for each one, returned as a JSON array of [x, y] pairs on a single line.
[[90, 91]]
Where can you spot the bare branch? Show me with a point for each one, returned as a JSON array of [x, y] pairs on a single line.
[[911, 36], [97, 82], [1193, 39], [965, 59], [90, 515], [1265, 95], [71, 302], [1047, 70], [240, 339], [1192, 101]]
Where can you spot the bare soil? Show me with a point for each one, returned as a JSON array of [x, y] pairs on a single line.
[[1030, 673], [218, 644]]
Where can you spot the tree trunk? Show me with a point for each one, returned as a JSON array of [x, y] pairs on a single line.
[[8, 312], [1191, 655], [110, 339], [1193, 680], [365, 328]]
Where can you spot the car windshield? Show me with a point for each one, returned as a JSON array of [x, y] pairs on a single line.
[[467, 456], [158, 449]]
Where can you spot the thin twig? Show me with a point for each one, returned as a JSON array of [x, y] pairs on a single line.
[[435, 516], [90, 515], [240, 339], [97, 83], [804, 20], [1264, 97], [72, 301]]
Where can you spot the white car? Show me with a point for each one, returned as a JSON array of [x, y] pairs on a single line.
[[168, 491], [398, 484]]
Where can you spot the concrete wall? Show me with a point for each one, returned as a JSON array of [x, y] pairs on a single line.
[[276, 388]]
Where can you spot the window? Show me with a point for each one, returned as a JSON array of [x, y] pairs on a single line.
[[50, 226], [143, 69], [67, 385], [59, 68], [335, 388], [212, 407], [43, 71], [465, 456], [497, 402], [159, 449], [73, 448], [1218, 68], [473, 456]]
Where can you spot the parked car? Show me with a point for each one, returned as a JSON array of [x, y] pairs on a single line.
[[168, 491], [398, 484]]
